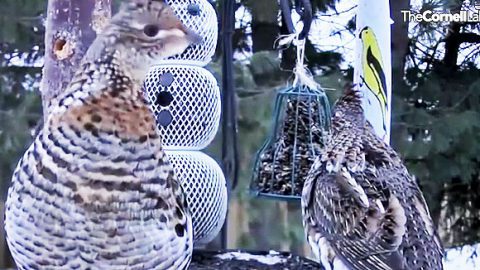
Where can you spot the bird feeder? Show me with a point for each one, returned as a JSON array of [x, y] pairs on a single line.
[[204, 183], [186, 102], [185, 99], [200, 16], [300, 125]]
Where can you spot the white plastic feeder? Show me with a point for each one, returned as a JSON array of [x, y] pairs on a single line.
[[204, 184]]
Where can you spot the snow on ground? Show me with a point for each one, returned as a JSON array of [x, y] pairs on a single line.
[[462, 258], [271, 259]]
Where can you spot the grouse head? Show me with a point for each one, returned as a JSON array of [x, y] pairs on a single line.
[[144, 32]]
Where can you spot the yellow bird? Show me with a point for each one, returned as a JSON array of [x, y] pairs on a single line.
[[372, 65]]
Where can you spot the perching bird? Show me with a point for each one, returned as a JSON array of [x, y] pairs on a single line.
[[95, 190], [373, 75], [361, 208]]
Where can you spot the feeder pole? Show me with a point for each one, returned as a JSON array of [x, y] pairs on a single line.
[[229, 120], [373, 72], [70, 28]]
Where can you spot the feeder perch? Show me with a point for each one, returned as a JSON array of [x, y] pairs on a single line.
[[300, 126]]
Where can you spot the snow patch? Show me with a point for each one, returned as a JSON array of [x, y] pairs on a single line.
[[462, 258], [270, 259]]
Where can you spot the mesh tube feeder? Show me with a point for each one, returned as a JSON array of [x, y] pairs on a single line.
[[186, 101], [300, 124]]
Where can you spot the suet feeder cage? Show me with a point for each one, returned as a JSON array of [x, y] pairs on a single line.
[[300, 126]]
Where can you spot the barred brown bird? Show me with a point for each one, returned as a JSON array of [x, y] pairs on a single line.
[[361, 208], [95, 190]]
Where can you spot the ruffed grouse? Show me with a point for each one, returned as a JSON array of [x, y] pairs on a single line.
[[361, 208], [95, 190]]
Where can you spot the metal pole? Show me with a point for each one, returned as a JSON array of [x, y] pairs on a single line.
[[229, 121]]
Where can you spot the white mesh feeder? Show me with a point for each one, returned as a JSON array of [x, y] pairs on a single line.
[[205, 186], [186, 103], [200, 16]]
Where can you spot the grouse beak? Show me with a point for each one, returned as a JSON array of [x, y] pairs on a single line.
[[193, 37]]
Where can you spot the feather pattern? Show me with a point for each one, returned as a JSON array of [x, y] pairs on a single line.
[[360, 204], [95, 189]]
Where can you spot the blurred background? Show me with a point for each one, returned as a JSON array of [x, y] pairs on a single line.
[[435, 117]]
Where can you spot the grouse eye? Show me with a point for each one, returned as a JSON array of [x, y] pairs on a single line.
[[151, 30]]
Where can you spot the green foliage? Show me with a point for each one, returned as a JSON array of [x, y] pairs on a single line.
[[436, 126], [22, 31], [18, 114], [436, 119], [264, 67], [21, 39]]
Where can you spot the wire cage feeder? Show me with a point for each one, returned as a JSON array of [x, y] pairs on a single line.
[[300, 125]]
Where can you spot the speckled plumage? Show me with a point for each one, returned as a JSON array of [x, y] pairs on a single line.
[[95, 190], [361, 208]]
